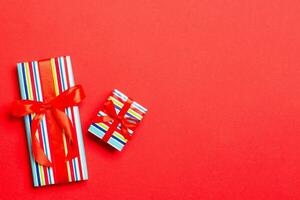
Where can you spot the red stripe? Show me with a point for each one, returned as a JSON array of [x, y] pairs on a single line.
[[33, 81], [58, 76], [68, 146], [60, 90], [54, 131], [73, 119]]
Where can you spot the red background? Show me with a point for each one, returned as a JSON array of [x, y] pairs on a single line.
[[220, 79]]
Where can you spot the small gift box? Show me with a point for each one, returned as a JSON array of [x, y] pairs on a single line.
[[118, 119], [49, 106]]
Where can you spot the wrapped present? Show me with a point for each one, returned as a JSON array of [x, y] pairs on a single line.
[[118, 119], [49, 106]]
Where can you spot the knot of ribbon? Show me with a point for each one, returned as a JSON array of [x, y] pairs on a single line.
[[112, 116], [70, 97]]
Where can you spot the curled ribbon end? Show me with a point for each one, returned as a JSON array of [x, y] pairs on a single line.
[[42, 160], [38, 153]]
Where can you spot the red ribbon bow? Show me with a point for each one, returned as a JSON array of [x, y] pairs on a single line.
[[70, 97], [112, 116]]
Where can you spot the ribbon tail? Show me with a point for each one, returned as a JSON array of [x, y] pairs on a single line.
[[128, 123], [125, 132], [38, 153], [65, 123]]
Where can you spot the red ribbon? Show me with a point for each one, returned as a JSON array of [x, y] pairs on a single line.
[[116, 119], [70, 97]]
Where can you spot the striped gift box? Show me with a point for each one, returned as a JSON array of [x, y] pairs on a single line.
[[31, 89], [117, 140]]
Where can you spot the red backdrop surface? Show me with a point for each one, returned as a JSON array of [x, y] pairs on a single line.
[[220, 79]]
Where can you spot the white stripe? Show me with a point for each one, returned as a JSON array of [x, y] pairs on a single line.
[[61, 81], [77, 170], [77, 124], [44, 120], [36, 134], [68, 110], [120, 94], [139, 107], [27, 125], [38, 99], [62, 68]]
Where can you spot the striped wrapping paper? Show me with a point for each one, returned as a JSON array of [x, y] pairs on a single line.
[[30, 86], [135, 111]]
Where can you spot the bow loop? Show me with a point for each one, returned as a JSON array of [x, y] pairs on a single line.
[[70, 97], [130, 122], [24, 107], [109, 108]]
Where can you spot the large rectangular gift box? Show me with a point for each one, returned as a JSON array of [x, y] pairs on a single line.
[[117, 120], [39, 81]]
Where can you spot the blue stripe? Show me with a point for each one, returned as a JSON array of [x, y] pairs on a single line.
[[96, 131], [130, 115], [100, 128], [42, 124], [26, 120], [36, 164], [118, 139], [127, 113], [27, 93], [30, 120], [24, 80], [99, 133], [74, 164], [61, 73], [115, 144], [77, 124], [139, 107], [64, 87], [120, 95], [44, 135]]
